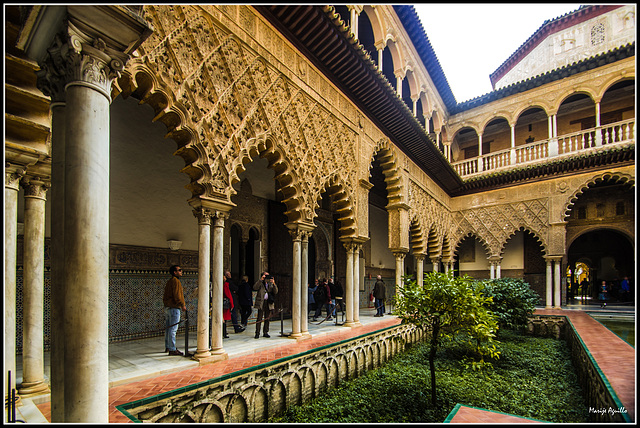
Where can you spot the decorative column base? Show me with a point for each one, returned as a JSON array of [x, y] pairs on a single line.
[[200, 355], [33, 388], [300, 336], [213, 358], [352, 324]]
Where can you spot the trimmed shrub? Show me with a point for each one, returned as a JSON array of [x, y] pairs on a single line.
[[512, 300]]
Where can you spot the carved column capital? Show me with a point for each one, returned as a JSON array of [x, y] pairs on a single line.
[[34, 187], [220, 218], [84, 45], [203, 215], [12, 175], [399, 254]]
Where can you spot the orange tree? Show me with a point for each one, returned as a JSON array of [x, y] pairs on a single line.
[[449, 307]]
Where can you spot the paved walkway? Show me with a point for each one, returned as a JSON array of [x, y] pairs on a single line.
[[140, 369]]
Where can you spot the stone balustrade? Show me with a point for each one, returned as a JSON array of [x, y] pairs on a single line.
[[622, 132]]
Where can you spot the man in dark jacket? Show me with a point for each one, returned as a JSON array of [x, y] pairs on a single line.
[[265, 287], [379, 294], [245, 298]]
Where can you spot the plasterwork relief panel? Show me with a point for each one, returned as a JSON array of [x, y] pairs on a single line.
[[233, 96], [495, 224]]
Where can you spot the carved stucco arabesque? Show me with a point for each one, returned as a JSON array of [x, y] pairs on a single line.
[[494, 224], [224, 102]]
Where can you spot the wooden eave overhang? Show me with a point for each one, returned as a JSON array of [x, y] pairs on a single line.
[[324, 39]]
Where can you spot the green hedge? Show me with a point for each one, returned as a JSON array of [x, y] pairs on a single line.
[[533, 378]]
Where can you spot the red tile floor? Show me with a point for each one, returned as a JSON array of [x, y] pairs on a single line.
[[615, 357]]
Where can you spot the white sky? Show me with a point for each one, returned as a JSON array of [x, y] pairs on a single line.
[[472, 40]]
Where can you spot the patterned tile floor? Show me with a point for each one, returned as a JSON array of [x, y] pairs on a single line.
[[140, 369]]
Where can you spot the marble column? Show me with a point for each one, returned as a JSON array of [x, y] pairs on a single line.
[[81, 61], [204, 269], [58, 294], [356, 285], [557, 283], [399, 255], [217, 283], [349, 293], [13, 174], [33, 288], [86, 240], [420, 269], [435, 261], [296, 281], [304, 305], [549, 289]]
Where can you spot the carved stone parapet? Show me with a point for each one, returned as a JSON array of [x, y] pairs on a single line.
[[34, 187]]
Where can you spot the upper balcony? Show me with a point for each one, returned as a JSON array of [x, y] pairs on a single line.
[[581, 125], [580, 142]]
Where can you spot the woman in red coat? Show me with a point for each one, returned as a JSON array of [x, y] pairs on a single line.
[[226, 313]]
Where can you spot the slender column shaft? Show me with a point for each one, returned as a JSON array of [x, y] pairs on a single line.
[[420, 269], [356, 285], [204, 278], [296, 286], [217, 282], [549, 277], [304, 305], [58, 288], [10, 259], [33, 289], [349, 286], [558, 285], [86, 243]]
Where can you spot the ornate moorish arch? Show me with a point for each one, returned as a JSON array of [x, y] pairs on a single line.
[[613, 176], [224, 103], [493, 224], [458, 241], [538, 238], [343, 199], [390, 168], [417, 235]]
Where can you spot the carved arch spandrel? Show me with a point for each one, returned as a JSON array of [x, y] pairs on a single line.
[[391, 170], [494, 224], [617, 177]]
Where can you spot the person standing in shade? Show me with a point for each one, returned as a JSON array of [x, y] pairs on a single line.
[[233, 288], [604, 290], [173, 300], [311, 289], [339, 301], [245, 299], [265, 304], [226, 312], [379, 294]]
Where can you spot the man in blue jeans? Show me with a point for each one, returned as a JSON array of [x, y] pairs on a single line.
[[173, 300]]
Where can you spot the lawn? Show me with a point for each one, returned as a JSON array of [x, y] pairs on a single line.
[[533, 378]]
